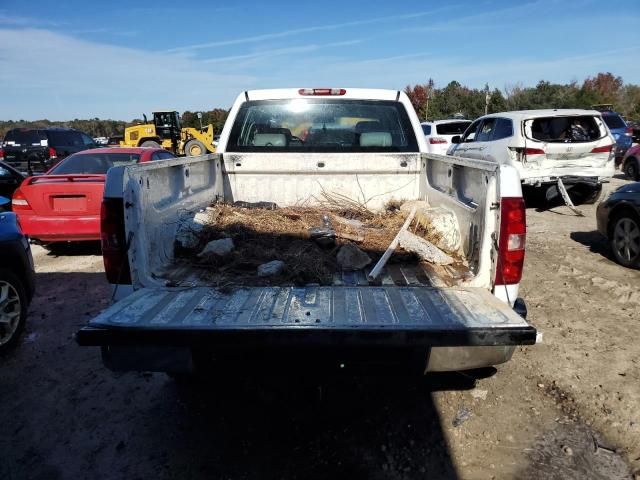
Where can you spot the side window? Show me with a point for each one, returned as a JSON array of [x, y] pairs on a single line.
[[503, 129], [470, 133], [86, 139], [165, 155], [486, 130], [5, 173]]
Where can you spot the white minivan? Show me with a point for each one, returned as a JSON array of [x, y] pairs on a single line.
[[543, 145]]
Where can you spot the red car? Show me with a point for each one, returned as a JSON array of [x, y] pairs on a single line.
[[631, 163], [64, 204]]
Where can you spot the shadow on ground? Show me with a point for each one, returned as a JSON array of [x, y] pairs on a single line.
[[545, 198], [65, 416], [596, 242], [73, 249], [288, 427]]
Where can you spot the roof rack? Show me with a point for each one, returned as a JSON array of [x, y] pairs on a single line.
[[603, 107]]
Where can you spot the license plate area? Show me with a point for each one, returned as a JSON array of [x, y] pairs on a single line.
[[69, 203]]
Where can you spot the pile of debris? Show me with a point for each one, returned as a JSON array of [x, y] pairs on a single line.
[[261, 244]]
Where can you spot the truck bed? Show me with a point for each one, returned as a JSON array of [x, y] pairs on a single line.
[[314, 316]]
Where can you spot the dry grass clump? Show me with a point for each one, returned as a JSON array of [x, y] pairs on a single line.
[[263, 235]]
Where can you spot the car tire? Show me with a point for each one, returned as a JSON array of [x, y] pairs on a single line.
[[625, 239], [632, 168], [193, 148], [593, 195], [13, 309], [150, 143]]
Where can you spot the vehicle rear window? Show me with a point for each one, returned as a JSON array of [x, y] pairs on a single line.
[[93, 163], [322, 125], [582, 128], [24, 137], [453, 128], [614, 121], [65, 138]]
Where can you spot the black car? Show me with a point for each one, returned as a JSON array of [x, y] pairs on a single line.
[[37, 150], [10, 179], [17, 277], [618, 219]]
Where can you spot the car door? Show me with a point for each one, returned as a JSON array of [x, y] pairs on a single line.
[[496, 148], [467, 141]]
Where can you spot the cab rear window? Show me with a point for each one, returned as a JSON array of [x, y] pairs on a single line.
[[322, 125], [569, 129]]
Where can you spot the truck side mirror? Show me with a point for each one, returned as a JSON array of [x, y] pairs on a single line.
[[456, 139]]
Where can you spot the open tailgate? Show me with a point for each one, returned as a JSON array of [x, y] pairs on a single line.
[[335, 316]]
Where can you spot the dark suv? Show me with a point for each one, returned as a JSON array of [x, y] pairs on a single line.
[[37, 150], [620, 131]]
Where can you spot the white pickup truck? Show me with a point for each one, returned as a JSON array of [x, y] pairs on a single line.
[[288, 146]]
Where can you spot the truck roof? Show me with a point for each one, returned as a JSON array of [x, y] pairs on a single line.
[[352, 93]]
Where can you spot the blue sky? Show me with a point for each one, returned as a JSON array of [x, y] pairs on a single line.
[[77, 60]]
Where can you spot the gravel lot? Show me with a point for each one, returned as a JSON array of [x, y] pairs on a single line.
[[566, 408]]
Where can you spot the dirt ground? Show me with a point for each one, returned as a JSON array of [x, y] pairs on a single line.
[[568, 408]]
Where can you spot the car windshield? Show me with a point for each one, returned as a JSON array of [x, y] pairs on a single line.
[[93, 163], [323, 125], [452, 128], [614, 121], [583, 128]]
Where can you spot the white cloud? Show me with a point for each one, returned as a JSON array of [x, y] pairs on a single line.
[[44, 74], [299, 31]]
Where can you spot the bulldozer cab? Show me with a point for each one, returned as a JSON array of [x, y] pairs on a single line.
[[167, 125]]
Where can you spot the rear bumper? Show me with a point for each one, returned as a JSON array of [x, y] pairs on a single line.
[[594, 180], [540, 176], [60, 228]]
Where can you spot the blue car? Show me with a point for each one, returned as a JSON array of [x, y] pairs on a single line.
[[620, 131], [17, 277]]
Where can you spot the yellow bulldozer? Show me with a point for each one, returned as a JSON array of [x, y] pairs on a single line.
[[165, 131]]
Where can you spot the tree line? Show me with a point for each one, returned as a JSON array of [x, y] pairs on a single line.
[[455, 99], [110, 128], [429, 101]]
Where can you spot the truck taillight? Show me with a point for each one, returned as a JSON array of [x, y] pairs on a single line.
[[114, 241], [513, 230], [1, 153], [19, 201], [437, 140], [53, 153], [322, 91]]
